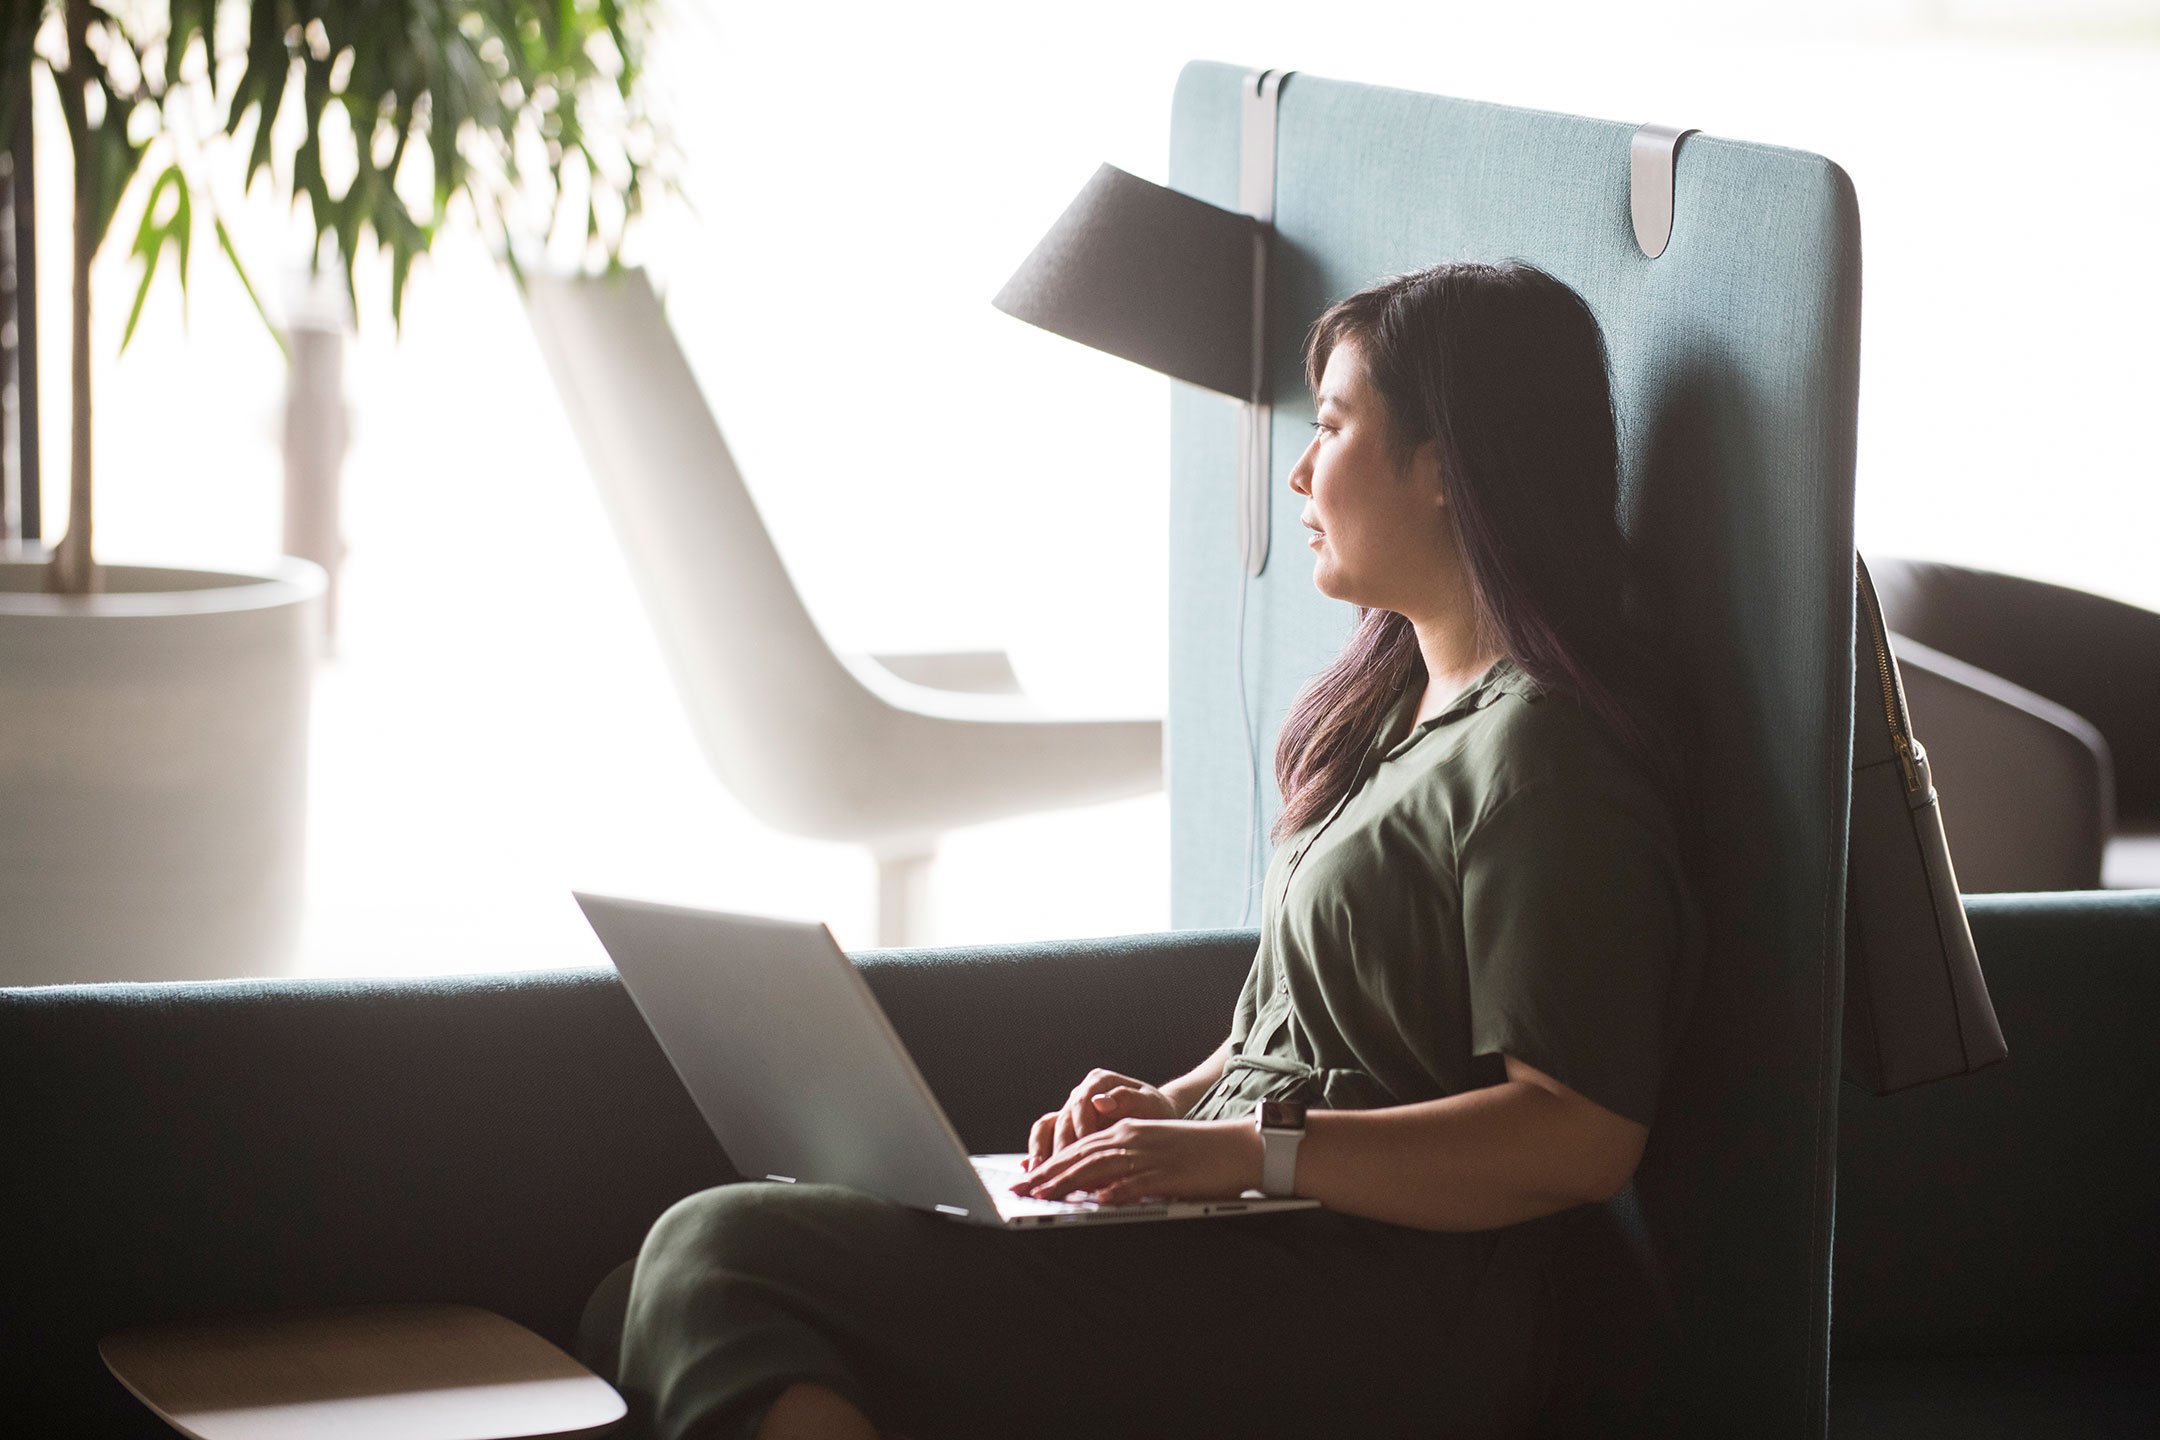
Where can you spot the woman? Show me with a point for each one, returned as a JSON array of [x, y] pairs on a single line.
[[1477, 946]]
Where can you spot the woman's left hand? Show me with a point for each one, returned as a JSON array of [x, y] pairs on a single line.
[[1152, 1159]]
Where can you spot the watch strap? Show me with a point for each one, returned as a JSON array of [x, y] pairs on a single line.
[[1278, 1161], [1282, 1127]]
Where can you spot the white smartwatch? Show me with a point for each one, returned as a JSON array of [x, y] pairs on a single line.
[[1282, 1126]]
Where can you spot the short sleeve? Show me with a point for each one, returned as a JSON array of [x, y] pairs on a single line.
[[1247, 1012], [1582, 939]]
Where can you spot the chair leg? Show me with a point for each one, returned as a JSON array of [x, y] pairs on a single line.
[[903, 902]]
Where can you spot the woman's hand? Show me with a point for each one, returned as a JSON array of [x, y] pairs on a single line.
[[1153, 1159], [1103, 1098]]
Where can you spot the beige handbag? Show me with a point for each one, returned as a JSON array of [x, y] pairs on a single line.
[[1916, 1005]]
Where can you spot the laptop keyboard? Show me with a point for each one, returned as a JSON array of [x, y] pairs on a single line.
[[998, 1173], [1029, 1205]]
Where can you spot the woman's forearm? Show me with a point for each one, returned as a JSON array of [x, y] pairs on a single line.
[[1473, 1161], [1186, 1090]]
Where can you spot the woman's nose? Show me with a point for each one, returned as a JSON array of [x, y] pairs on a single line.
[[1300, 472]]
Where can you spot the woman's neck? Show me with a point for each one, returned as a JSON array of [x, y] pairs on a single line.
[[1454, 660], [1446, 622]]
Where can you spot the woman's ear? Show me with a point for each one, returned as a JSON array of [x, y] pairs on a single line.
[[1425, 473]]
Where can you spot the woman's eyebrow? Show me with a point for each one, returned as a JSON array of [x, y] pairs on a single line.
[[1330, 397]]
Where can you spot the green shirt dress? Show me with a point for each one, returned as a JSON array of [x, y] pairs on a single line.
[[1499, 880]]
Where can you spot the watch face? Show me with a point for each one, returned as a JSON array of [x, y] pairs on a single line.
[[1281, 1115]]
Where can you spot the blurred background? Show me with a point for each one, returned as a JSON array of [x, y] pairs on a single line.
[[496, 726]]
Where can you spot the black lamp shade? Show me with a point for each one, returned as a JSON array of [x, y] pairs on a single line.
[[1147, 274]]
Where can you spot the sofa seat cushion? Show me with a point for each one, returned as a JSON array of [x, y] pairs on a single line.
[[1997, 1397]]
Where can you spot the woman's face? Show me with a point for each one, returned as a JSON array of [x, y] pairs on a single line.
[[1381, 532]]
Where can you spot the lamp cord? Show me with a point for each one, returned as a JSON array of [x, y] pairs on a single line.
[[1252, 759]]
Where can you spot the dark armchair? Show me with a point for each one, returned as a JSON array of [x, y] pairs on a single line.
[[2040, 707]]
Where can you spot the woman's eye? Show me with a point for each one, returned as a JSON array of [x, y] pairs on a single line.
[[1318, 426]]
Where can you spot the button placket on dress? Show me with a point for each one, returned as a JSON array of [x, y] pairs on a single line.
[[1278, 1012], [1476, 699], [1266, 1036]]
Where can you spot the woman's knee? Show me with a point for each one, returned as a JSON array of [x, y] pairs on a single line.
[[751, 1224]]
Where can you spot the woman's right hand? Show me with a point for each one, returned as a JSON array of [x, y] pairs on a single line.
[[1101, 1100]]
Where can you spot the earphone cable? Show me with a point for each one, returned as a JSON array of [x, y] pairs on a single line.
[[1252, 757]]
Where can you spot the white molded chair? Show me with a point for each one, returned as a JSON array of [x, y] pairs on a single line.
[[887, 752]]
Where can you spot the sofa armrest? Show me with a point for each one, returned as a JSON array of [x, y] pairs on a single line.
[[2093, 655], [981, 672], [196, 1149], [2012, 1210], [2028, 792]]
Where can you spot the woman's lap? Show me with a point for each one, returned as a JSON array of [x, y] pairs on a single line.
[[1298, 1323]]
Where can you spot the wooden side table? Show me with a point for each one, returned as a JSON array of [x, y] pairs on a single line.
[[374, 1372]]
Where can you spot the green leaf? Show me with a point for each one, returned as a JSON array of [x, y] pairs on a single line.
[[476, 82], [352, 291], [151, 238], [224, 239], [261, 87], [190, 18], [404, 126], [117, 158], [270, 99], [401, 258]]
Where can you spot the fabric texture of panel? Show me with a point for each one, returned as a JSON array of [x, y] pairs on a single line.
[[1735, 366]]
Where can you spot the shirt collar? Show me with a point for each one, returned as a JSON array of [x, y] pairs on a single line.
[[1397, 734]]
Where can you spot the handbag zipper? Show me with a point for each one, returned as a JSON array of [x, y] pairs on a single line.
[[1883, 666]]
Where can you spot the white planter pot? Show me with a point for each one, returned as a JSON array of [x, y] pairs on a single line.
[[153, 772]]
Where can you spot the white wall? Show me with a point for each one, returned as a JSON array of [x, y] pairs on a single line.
[[864, 178]]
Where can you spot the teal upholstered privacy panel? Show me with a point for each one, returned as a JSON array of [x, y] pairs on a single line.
[[1735, 362]]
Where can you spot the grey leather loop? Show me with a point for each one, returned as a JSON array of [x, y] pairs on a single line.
[[1652, 157], [1256, 197]]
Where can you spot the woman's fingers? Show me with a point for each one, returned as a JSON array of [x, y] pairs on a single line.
[[1081, 1168], [1143, 1159], [1080, 1118], [1068, 1124], [1126, 1101], [1140, 1185], [1041, 1136], [1084, 1114], [1108, 1155], [1051, 1171]]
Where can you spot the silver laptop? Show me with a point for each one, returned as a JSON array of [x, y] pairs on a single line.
[[794, 1065]]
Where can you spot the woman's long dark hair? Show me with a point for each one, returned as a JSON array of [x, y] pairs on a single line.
[[1503, 368]]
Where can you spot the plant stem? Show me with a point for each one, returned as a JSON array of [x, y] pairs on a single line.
[[74, 571]]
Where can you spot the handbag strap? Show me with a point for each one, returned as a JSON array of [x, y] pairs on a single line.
[[1897, 720]]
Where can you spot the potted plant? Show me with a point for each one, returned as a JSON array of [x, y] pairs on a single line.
[[152, 771]]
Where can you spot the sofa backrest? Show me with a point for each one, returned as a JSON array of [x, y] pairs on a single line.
[[2011, 1211], [193, 1150], [197, 1150], [1735, 364]]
